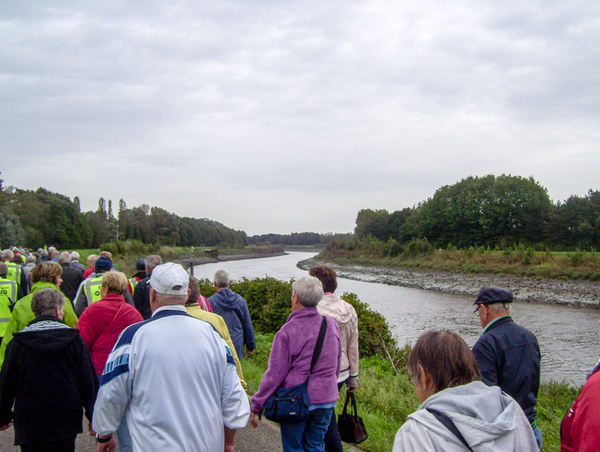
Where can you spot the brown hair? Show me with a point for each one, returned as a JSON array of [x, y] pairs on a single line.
[[446, 357], [46, 271], [326, 275], [194, 291], [106, 254], [115, 282]]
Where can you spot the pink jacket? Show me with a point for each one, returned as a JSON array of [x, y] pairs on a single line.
[[344, 314], [101, 324], [291, 355]]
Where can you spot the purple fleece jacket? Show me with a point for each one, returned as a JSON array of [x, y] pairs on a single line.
[[291, 354]]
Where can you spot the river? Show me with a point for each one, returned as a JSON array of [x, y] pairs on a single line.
[[568, 336]]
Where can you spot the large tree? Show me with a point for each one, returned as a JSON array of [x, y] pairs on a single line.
[[486, 210]]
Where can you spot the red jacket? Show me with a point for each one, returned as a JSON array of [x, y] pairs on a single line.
[[101, 324], [580, 429]]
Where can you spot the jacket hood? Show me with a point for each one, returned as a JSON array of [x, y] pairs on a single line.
[[227, 299], [47, 335], [40, 285], [333, 306], [482, 413]]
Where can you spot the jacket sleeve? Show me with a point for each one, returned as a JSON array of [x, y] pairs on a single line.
[[8, 385], [114, 392], [224, 332], [86, 330], [280, 361], [88, 380], [23, 284], [81, 301], [15, 324], [70, 317], [352, 351], [486, 360], [234, 401], [249, 339], [412, 439]]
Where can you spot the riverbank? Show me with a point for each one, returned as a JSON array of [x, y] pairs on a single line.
[[226, 258], [538, 290]]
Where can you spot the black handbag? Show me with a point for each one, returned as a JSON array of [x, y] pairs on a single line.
[[350, 425], [290, 405]]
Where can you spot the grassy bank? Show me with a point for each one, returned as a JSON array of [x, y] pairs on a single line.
[[126, 255], [386, 396], [519, 261]]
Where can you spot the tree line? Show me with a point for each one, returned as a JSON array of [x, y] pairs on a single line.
[[34, 218], [490, 211], [296, 238]]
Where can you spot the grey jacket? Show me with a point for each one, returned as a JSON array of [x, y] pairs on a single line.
[[489, 420]]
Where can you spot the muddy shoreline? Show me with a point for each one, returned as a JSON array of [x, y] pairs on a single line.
[[225, 258], [572, 293]]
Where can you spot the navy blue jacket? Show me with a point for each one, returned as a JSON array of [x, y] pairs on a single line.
[[234, 310], [508, 356]]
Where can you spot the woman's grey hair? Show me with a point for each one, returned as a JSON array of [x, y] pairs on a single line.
[[309, 291], [222, 279], [75, 255], [46, 301]]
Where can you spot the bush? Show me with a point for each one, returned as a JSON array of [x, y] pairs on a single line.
[[269, 303]]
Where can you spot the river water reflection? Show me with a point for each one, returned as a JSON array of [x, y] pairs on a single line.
[[568, 336]]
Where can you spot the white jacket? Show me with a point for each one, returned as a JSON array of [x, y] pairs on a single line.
[[174, 379], [344, 314], [488, 419]]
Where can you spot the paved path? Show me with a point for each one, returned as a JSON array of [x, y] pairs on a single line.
[[265, 438]]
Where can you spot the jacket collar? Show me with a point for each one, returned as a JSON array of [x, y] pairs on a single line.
[[497, 322]]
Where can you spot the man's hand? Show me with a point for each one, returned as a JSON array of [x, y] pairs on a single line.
[[107, 447], [253, 419], [249, 352]]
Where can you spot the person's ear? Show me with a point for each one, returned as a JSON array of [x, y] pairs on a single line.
[[152, 295]]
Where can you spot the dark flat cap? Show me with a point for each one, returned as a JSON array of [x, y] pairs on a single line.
[[141, 264], [103, 264], [493, 294]]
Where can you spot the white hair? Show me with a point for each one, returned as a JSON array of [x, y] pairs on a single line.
[[222, 279], [309, 291], [498, 307], [64, 258], [75, 255]]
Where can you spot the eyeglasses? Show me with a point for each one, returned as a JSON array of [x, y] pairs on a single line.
[[476, 311]]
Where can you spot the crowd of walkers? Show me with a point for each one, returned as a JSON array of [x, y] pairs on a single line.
[[151, 362]]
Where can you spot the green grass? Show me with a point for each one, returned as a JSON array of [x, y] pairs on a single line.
[[386, 397], [529, 263]]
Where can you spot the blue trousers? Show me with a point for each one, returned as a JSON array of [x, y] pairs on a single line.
[[307, 436]]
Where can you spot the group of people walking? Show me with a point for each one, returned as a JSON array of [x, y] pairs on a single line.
[[152, 362]]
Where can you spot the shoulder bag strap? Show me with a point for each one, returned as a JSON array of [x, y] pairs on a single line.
[[444, 419], [319, 345]]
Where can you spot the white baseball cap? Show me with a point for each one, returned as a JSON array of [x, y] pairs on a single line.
[[170, 279]]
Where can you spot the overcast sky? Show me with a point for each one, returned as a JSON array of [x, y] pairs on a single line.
[[291, 116]]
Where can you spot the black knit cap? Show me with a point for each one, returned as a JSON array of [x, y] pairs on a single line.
[[141, 264], [493, 294]]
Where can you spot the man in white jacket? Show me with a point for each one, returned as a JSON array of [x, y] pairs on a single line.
[[174, 378]]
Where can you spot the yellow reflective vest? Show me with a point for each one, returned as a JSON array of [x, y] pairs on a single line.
[[8, 288], [14, 272], [92, 290]]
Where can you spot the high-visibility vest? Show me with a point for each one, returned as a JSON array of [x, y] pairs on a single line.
[[14, 272], [5, 313], [92, 290], [133, 283], [8, 288]]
